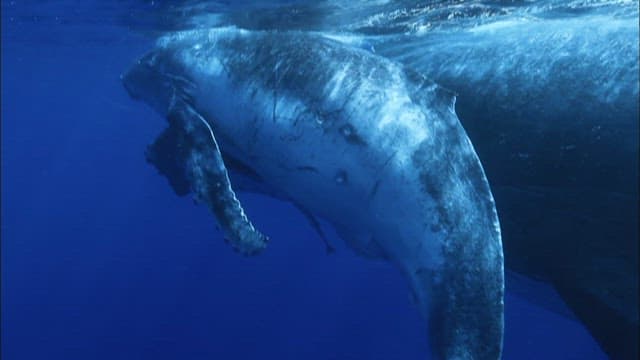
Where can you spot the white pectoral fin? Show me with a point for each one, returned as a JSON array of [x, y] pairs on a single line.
[[462, 304], [210, 182], [462, 294]]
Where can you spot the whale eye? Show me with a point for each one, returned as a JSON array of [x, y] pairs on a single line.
[[347, 130], [341, 177]]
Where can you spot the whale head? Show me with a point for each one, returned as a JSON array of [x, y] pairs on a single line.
[[154, 80]]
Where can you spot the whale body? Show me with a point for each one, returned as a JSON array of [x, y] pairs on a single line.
[[551, 106], [363, 142]]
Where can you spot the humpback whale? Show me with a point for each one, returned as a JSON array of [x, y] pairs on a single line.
[[551, 106], [361, 141]]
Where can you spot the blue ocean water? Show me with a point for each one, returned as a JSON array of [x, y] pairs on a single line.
[[100, 259]]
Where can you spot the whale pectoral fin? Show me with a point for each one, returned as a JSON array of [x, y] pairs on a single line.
[[459, 282], [464, 320], [209, 180], [461, 294]]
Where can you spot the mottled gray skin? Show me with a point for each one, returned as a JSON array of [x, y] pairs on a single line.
[[551, 105], [356, 139]]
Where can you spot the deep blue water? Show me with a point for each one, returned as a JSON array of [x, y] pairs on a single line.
[[100, 259]]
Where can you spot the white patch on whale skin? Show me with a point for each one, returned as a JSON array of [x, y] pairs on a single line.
[[336, 82]]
